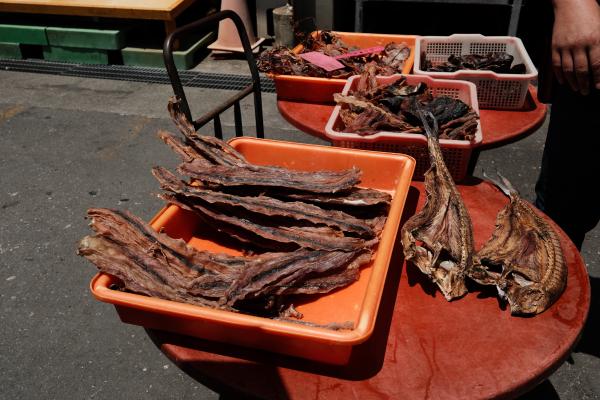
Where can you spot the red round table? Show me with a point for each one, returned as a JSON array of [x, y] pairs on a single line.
[[498, 127], [422, 346]]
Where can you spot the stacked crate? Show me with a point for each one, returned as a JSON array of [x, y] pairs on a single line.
[[189, 54], [13, 38], [110, 45], [88, 46], [78, 45]]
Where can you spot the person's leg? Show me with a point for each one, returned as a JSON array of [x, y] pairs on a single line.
[[570, 171]]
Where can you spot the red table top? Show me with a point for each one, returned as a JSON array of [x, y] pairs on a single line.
[[498, 127], [422, 346]]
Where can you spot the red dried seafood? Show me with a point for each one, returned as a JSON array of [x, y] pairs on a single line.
[[439, 238], [314, 243], [374, 107], [264, 206], [262, 176], [283, 61], [154, 264], [212, 161], [523, 258], [355, 197]]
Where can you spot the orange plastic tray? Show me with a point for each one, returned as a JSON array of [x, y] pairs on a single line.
[[358, 302], [321, 90]]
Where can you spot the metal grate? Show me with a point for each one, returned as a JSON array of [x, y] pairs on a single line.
[[136, 74]]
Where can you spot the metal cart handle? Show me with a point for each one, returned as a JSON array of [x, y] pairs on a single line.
[[214, 114]]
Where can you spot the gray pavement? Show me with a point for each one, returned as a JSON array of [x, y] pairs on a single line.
[[67, 144]]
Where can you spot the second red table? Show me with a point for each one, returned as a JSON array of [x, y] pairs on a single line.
[[499, 127]]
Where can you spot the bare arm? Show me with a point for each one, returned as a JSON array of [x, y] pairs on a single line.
[[576, 44]]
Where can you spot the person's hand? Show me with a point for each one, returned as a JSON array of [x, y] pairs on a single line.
[[576, 44]]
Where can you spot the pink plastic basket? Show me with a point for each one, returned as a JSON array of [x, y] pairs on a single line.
[[501, 91], [457, 153]]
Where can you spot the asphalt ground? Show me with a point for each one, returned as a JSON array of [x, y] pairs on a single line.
[[68, 144]]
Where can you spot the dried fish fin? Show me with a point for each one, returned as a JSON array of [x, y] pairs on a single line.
[[439, 239], [179, 118], [186, 152], [210, 148], [527, 250]]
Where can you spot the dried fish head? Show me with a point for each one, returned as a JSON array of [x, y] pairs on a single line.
[[523, 258], [522, 296], [439, 239]]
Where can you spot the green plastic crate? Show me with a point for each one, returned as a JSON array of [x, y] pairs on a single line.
[[76, 55], [184, 59], [24, 34], [103, 39], [10, 50]]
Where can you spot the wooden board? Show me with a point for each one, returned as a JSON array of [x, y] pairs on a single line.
[[148, 9]]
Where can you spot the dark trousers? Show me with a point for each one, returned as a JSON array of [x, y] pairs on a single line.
[[571, 163]]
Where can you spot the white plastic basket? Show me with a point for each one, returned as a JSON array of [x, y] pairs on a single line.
[[457, 153], [501, 91]]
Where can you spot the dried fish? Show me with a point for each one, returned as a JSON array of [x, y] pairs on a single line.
[[356, 197], [264, 207], [213, 161], [186, 152], [439, 239], [274, 276], [210, 149], [267, 236], [152, 263], [263, 176], [523, 258]]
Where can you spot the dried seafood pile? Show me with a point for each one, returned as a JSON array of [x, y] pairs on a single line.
[[308, 232], [523, 258], [499, 62], [374, 107], [283, 61]]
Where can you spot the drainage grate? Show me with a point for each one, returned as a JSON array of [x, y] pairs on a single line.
[[136, 74]]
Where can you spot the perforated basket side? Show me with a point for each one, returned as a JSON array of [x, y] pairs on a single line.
[[482, 48], [457, 153], [456, 159], [454, 93], [496, 94]]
